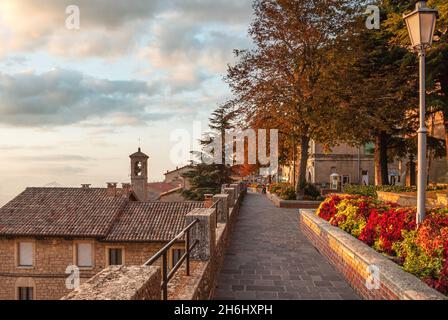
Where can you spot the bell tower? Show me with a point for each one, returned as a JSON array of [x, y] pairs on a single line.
[[139, 174]]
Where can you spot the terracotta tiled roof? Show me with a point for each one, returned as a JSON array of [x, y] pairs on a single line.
[[60, 212], [161, 187], [151, 221], [91, 213], [156, 188]]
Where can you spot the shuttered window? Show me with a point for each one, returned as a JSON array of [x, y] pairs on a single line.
[[25, 293], [26, 254], [115, 257], [84, 255]]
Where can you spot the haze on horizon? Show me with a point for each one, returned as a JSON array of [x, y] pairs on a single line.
[[74, 103]]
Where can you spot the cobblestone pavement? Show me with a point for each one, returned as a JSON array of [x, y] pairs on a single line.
[[269, 258]]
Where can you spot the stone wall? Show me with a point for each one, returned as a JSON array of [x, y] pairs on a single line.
[[51, 259], [406, 199], [298, 204], [202, 282], [121, 283], [204, 288], [359, 264]]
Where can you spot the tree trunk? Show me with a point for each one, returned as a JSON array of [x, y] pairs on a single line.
[[412, 177], [381, 161], [445, 124], [301, 181]]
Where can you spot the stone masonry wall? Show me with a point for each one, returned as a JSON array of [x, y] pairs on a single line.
[[51, 258], [134, 283], [203, 286]]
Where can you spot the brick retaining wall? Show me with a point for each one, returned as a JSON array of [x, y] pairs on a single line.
[[352, 258]]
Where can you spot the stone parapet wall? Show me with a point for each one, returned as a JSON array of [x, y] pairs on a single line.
[[358, 263], [121, 283], [203, 280], [408, 200]]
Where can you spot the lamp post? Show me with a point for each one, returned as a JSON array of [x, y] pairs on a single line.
[[421, 24]]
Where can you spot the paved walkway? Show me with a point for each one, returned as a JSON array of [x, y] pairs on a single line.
[[269, 258]]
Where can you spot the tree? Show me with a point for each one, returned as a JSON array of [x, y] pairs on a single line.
[[207, 177], [437, 56], [275, 83], [373, 86]]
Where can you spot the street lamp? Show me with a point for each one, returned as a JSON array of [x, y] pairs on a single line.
[[421, 24]]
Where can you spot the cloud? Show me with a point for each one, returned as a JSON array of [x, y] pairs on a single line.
[[107, 28], [61, 97], [21, 147], [56, 158], [190, 52]]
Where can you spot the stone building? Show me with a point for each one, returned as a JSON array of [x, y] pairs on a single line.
[[48, 234], [356, 165], [175, 176], [352, 165]]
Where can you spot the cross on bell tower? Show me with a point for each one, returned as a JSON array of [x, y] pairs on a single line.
[[139, 174]]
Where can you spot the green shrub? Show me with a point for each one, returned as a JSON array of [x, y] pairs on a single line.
[[311, 191], [367, 191], [284, 190], [370, 191], [288, 194]]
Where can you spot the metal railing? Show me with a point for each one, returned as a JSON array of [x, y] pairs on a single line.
[[167, 276]]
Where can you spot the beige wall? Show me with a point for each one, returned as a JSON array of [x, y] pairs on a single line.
[[176, 177], [52, 257]]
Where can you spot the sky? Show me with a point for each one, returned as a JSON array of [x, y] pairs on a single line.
[[76, 102]]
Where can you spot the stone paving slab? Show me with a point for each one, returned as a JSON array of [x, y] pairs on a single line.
[[269, 258]]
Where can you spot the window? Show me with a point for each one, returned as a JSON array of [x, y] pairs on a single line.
[[25, 254], [25, 293], [84, 255], [345, 180], [176, 255], [138, 168], [115, 257]]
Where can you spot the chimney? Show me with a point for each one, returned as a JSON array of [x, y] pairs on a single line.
[[208, 200], [127, 189], [111, 189], [85, 186]]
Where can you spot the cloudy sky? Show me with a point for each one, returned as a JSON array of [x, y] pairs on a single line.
[[74, 102]]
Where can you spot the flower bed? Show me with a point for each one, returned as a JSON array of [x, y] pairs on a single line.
[[391, 230]]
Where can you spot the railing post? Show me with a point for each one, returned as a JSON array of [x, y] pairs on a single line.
[[204, 232], [237, 191], [187, 250], [223, 187], [165, 277], [208, 200], [231, 196], [223, 205]]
